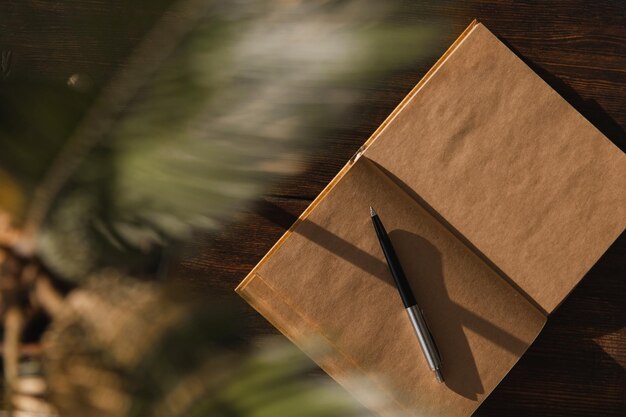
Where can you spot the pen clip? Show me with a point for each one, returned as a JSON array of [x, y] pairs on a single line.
[[431, 336]]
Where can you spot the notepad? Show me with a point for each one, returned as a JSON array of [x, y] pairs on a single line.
[[498, 197]]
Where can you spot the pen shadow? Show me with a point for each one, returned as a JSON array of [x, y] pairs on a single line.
[[423, 268], [577, 355], [420, 259]]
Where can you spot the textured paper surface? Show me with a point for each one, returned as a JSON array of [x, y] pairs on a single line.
[[509, 164], [332, 276], [499, 197]]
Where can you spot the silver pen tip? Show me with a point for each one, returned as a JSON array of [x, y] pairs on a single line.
[[439, 375], [372, 212]]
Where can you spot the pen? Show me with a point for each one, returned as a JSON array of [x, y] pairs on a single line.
[[415, 314]]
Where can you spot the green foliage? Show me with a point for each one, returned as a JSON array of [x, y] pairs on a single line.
[[157, 357], [35, 121], [219, 100]]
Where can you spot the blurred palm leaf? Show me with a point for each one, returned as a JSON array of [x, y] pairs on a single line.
[[221, 98], [157, 357], [35, 122]]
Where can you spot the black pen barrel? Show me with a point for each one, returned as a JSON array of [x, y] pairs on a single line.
[[394, 265]]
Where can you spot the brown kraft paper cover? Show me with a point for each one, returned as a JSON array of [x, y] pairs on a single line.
[[510, 165]]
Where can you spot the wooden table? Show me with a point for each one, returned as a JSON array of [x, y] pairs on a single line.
[[577, 366]]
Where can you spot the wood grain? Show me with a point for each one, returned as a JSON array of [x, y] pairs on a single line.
[[577, 366]]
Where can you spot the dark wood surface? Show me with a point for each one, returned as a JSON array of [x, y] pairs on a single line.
[[577, 366]]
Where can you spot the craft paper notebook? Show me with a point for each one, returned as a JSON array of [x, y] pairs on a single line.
[[498, 197]]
